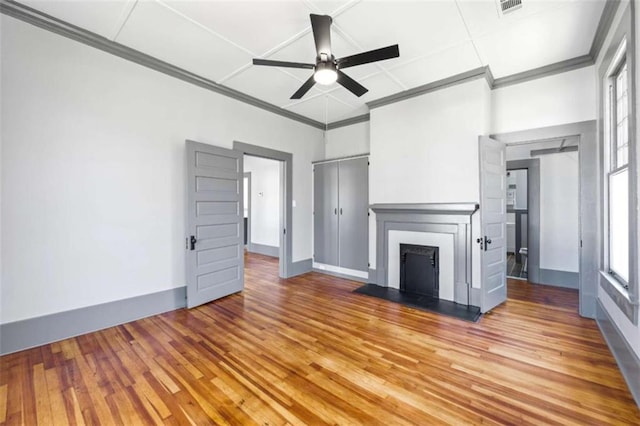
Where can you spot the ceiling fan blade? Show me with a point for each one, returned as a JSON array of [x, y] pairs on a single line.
[[351, 85], [304, 88], [370, 56], [285, 64], [321, 27]]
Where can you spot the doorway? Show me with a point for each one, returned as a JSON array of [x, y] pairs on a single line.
[[214, 218], [549, 171], [284, 196], [517, 223], [586, 217], [263, 205]]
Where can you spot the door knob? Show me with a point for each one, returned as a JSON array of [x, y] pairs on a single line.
[[487, 241]]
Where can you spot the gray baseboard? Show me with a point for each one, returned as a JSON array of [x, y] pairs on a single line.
[[300, 267], [339, 275], [32, 332], [476, 297], [263, 249], [373, 276], [626, 358], [559, 278]]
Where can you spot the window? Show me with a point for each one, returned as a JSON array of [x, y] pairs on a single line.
[[617, 177]]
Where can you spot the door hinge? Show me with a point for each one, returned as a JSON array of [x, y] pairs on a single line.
[[580, 243], [368, 214], [369, 265], [186, 243], [284, 231]]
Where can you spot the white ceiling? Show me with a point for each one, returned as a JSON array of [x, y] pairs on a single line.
[[217, 39]]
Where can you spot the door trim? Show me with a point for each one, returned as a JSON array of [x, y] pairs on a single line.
[[533, 207], [286, 263], [247, 175], [588, 189]]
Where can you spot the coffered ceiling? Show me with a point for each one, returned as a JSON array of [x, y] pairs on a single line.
[[218, 39]]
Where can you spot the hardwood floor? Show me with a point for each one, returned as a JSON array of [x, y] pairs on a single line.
[[514, 269], [308, 350]]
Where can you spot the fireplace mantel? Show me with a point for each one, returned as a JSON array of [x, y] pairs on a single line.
[[453, 219], [466, 209]]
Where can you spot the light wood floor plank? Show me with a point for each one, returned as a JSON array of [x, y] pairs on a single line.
[[309, 351]]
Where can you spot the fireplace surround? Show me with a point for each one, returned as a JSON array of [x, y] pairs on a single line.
[[450, 220]]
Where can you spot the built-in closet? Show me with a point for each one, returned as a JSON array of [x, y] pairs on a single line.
[[341, 209]]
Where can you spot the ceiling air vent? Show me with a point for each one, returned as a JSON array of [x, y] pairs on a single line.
[[508, 6]]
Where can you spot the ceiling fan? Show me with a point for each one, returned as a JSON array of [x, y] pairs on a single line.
[[327, 68]]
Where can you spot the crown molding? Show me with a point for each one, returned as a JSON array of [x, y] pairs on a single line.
[[57, 26], [475, 74], [604, 25], [349, 121], [464, 77], [545, 71]]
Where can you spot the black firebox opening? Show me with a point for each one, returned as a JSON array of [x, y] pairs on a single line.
[[419, 270]]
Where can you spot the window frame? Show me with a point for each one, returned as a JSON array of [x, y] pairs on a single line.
[[621, 42], [618, 63]]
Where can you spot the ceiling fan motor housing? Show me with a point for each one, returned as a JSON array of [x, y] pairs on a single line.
[[325, 72]]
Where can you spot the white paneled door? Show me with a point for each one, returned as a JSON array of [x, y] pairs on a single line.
[[214, 244], [493, 219]]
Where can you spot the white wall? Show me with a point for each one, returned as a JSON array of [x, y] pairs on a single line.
[[93, 166], [559, 205], [265, 200], [568, 97], [425, 150], [632, 332], [348, 140], [517, 178], [559, 212]]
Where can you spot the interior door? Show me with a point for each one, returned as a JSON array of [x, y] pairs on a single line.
[[325, 213], [493, 220], [353, 208], [215, 256]]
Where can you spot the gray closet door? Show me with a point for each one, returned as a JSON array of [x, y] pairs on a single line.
[[325, 213], [353, 208]]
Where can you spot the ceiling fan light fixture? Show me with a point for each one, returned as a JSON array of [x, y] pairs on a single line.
[[327, 69], [325, 74]]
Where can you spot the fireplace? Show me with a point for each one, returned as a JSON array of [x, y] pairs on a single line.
[[443, 225], [419, 270]]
